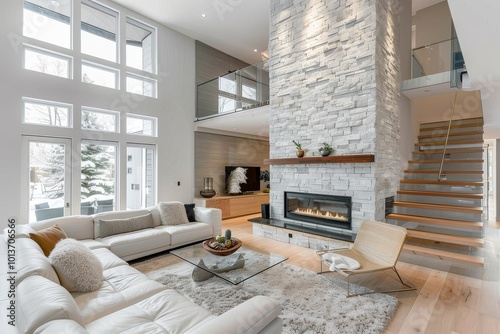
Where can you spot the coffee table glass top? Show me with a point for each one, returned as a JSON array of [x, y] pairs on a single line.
[[243, 264]]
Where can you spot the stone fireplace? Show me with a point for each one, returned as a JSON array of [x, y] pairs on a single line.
[[318, 211], [334, 78]]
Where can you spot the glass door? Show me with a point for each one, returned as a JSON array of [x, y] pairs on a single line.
[[49, 169], [141, 176]]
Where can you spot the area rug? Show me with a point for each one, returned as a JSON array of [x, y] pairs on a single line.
[[311, 303]]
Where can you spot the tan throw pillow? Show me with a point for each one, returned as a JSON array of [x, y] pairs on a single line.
[[48, 238], [172, 213], [118, 226], [77, 267]]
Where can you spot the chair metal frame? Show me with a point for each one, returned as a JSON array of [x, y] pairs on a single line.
[[372, 241]]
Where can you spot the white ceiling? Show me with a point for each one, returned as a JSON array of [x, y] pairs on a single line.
[[236, 27]]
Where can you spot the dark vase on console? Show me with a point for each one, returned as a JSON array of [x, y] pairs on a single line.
[[208, 187]]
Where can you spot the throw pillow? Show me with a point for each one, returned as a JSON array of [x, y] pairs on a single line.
[[172, 213], [190, 212], [48, 238], [77, 267], [117, 226]]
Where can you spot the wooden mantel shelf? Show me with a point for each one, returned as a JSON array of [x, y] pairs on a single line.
[[331, 159]]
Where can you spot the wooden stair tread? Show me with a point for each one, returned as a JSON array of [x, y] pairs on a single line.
[[442, 207], [444, 183], [444, 255], [461, 161], [436, 221], [451, 142], [435, 171], [479, 118], [451, 151], [440, 193], [453, 134], [451, 239], [453, 126]]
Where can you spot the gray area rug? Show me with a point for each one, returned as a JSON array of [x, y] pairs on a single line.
[[311, 303]]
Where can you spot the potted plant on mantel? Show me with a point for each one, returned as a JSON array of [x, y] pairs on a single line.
[[325, 150], [300, 151]]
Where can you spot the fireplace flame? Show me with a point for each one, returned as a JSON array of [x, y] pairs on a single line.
[[321, 213]]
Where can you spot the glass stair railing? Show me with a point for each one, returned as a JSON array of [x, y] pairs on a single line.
[[236, 91]]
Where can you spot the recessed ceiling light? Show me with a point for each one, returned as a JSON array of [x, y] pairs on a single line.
[[203, 15], [55, 3], [255, 50]]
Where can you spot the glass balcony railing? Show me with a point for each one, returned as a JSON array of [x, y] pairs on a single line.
[[243, 89], [439, 57]]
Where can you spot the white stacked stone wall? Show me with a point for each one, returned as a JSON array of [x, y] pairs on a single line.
[[334, 78]]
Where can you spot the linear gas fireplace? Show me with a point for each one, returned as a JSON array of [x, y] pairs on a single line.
[[326, 210]]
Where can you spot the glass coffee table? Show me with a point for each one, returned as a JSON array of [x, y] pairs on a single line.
[[236, 268]]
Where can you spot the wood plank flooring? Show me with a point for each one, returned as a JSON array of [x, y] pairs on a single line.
[[448, 299]]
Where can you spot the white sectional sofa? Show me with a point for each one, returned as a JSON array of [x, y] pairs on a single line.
[[128, 301]]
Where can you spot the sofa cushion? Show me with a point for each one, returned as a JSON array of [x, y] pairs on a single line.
[[76, 227], [123, 286], [117, 226], [136, 242], [172, 213], [42, 301], [187, 233], [164, 312], [31, 261], [48, 238], [190, 212], [77, 267], [108, 259], [61, 326]]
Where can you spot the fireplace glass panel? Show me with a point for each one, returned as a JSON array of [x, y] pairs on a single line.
[[334, 211]]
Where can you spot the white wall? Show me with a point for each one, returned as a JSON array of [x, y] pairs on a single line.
[[174, 108]]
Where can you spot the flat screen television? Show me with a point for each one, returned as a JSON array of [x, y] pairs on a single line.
[[253, 178]]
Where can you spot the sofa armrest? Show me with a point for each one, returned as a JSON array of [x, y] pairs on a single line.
[[211, 216], [250, 317]]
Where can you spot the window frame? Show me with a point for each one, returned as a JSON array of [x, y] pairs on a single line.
[[144, 79], [42, 51], [47, 103], [102, 68], [154, 45], [102, 111], [143, 117]]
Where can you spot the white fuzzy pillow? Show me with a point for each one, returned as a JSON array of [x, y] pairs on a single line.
[[77, 267], [172, 213]]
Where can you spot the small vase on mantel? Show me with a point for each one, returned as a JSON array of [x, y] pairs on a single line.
[[208, 187], [300, 153]]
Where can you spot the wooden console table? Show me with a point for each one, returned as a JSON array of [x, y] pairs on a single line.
[[235, 206]]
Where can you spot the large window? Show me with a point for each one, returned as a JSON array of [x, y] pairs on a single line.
[[99, 27], [141, 45], [48, 21], [47, 113]]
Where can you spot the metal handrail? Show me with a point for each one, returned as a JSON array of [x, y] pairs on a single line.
[[447, 136]]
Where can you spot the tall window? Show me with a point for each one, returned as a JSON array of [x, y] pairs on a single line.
[[98, 176], [141, 162], [48, 21], [141, 45], [99, 27]]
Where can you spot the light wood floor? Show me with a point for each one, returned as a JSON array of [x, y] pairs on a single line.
[[449, 298]]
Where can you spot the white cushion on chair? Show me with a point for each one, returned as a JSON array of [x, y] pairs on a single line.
[[337, 261]]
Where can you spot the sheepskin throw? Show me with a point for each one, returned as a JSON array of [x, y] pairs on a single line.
[[172, 213], [77, 267]]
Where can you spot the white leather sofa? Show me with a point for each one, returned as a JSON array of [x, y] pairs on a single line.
[[128, 301]]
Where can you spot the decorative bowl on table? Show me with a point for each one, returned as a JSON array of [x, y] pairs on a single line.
[[217, 248]]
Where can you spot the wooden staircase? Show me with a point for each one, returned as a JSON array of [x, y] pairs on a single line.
[[444, 215]]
